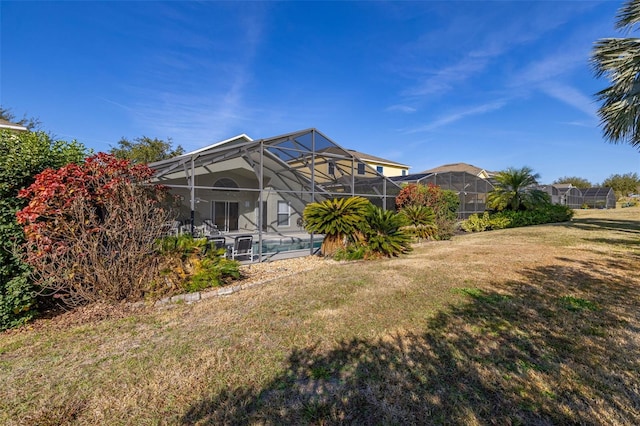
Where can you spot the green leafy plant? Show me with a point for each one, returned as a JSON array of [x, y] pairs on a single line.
[[547, 213], [420, 221], [189, 265], [444, 204], [477, 223], [22, 156], [354, 251], [339, 220], [383, 233]]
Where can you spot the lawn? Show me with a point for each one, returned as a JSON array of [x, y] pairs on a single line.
[[535, 325]]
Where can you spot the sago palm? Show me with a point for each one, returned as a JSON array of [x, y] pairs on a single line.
[[513, 190], [339, 220], [618, 59], [383, 233], [420, 221]]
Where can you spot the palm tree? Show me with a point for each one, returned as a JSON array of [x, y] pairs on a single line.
[[618, 59], [514, 190]]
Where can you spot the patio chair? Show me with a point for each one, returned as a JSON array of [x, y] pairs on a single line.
[[210, 229], [242, 247]]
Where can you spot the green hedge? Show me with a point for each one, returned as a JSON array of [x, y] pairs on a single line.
[[551, 213]]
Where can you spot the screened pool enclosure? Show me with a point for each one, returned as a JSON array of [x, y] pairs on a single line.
[[472, 190], [261, 187]]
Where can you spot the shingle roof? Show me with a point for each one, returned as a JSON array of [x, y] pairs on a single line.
[[459, 167], [4, 124], [368, 157]]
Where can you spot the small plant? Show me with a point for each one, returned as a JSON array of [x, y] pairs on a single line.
[[477, 223], [355, 251], [189, 266], [576, 304], [421, 222]]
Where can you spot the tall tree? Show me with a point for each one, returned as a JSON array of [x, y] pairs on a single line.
[[623, 185], [618, 59], [145, 150], [515, 190], [576, 181]]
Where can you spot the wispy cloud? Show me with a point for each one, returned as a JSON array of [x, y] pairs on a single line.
[[459, 115], [443, 80], [570, 96], [516, 29], [401, 108], [196, 93]]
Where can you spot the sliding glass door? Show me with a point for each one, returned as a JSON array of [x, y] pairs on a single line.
[[225, 215]]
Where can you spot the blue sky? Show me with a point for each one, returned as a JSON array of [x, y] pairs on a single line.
[[496, 84]]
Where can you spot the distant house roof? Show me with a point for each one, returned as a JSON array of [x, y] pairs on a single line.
[[372, 158], [4, 124], [461, 167]]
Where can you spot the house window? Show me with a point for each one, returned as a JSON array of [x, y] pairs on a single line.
[[404, 173], [225, 183], [283, 213], [379, 169], [331, 168], [360, 168]]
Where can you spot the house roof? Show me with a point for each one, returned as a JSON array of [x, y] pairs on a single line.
[[373, 159], [460, 167], [4, 124]]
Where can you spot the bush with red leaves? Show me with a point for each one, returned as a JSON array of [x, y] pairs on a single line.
[[91, 229]]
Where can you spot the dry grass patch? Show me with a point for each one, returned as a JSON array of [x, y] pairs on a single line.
[[523, 326]]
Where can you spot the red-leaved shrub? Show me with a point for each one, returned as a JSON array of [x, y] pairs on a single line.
[[91, 229]]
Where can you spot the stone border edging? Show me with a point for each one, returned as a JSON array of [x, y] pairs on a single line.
[[224, 291]]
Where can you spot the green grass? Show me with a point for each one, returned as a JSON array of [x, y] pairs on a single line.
[[522, 326]]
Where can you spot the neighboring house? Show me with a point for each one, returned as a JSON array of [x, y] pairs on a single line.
[[470, 183], [384, 167], [462, 167], [262, 186], [7, 125], [327, 167]]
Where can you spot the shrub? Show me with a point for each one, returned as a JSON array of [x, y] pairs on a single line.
[[548, 213], [354, 229], [444, 204], [91, 230], [189, 264], [339, 220], [22, 156], [477, 223], [420, 221], [383, 233]]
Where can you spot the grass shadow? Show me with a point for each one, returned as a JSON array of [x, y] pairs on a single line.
[[550, 348], [631, 226]]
